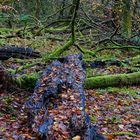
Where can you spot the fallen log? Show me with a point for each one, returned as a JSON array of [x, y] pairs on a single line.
[[56, 110], [7, 52], [113, 80]]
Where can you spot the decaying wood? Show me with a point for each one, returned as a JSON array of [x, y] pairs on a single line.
[[4, 79], [57, 106], [7, 52]]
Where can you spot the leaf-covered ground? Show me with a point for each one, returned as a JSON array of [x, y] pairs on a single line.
[[116, 112]]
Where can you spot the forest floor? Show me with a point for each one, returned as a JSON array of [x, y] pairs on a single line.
[[115, 111]]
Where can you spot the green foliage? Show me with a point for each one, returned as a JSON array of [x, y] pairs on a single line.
[[2, 41], [28, 19], [24, 18], [6, 31], [135, 61], [136, 39], [4, 19]]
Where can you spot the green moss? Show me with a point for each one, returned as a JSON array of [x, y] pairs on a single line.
[[61, 49], [27, 80], [93, 118], [107, 57], [6, 31], [135, 61], [124, 133], [58, 29], [113, 80]]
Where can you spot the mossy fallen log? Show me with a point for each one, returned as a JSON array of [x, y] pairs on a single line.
[[113, 80], [92, 82]]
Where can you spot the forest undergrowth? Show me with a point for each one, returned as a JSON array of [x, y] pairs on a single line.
[[114, 110]]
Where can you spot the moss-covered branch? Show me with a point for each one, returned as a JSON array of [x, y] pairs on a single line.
[[93, 53], [71, 41], [85, 51]]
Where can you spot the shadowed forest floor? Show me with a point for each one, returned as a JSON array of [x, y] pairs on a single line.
[[115, 111]]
